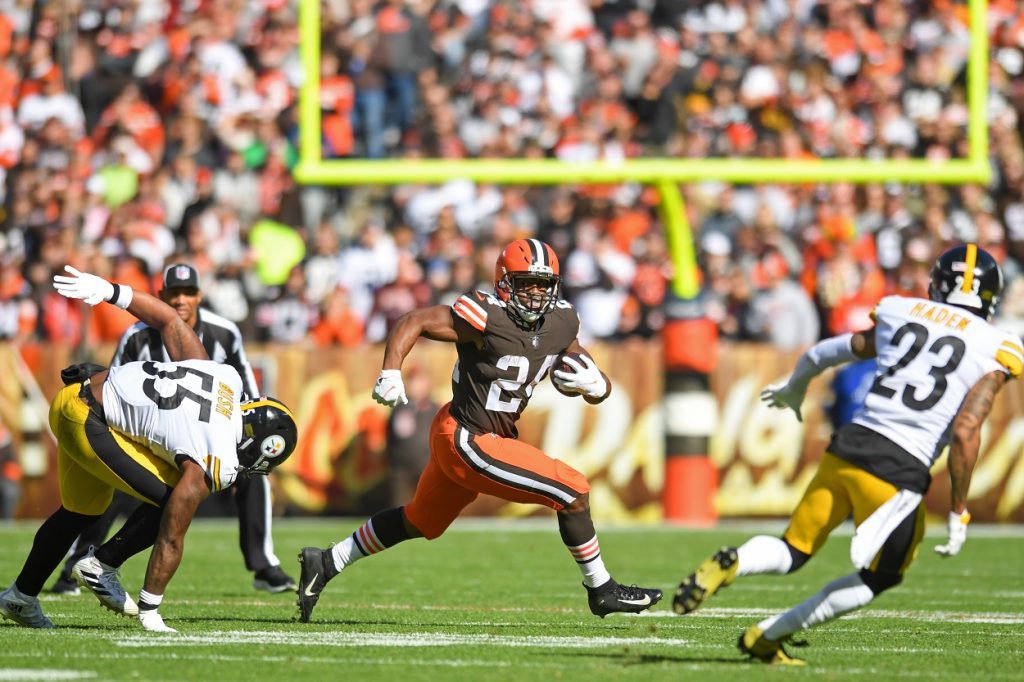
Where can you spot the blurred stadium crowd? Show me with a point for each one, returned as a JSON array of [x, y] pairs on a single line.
[[139, 132]]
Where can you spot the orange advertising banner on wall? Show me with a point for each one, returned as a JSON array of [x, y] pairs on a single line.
[[765, 457]]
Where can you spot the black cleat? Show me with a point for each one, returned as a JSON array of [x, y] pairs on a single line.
[[615, 598], [717, 572], [316, 568], [273, 579]]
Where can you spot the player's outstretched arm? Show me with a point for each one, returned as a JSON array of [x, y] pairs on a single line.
[[179, 339], [963, 454], [831, 352]]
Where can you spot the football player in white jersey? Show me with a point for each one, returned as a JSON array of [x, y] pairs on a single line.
[[940, 366], [167, 433], [223, 343]]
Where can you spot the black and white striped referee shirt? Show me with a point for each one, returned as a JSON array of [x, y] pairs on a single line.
[[219, 335]]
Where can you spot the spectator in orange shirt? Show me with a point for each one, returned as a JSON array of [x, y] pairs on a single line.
[[337, 99], [53, 101], [132, 113], [339, 325], [627, 225]]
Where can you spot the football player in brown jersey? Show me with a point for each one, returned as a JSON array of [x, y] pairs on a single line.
[[507, 342]]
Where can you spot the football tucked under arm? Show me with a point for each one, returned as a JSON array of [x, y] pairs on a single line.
[[577, 374], [561, 366]]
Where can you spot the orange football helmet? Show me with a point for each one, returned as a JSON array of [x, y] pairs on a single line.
[[527, 278]]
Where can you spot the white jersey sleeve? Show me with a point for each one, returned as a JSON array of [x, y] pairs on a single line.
[[188, 408], [929, 356]]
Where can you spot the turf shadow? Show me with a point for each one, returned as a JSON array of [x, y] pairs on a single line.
[[288, 620], [630, 659]]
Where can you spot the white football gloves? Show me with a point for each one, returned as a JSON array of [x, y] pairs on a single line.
[[83, 286], [957, 527], [90, 288], [585, 378], [389, 389], [785, 395], [153, 622]]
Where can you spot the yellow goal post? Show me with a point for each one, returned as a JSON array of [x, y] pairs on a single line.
[[665, 174]]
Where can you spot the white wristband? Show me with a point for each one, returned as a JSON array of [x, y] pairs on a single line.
[[122, 296]]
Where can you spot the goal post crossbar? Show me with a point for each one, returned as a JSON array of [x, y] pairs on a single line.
[[665, 174]]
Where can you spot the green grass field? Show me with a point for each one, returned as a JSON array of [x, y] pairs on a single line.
[[503, 601]]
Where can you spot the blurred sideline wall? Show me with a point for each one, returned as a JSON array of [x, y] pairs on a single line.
[[765, 457]]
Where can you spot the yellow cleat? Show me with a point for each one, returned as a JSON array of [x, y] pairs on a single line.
[[753, 643], [717, 572]]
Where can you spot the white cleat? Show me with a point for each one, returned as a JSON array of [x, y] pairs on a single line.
[[152, 621], [23, 609], [104, 582]]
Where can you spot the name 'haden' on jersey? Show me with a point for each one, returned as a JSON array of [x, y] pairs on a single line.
[[940, 314]]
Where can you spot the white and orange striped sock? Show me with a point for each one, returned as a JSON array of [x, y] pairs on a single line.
[[345, 553], [383, 529], [588, 558], [361, 543]]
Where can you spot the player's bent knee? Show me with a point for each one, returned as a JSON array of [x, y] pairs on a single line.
[[422, 525], [575, 524], [433, 534], [580, 504], [880, 582], [427, 532], [393, 526], [798, 558]]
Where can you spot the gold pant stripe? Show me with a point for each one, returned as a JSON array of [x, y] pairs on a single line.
[[840, 489], [93, 460]]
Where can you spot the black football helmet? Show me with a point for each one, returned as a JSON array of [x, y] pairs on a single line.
[[269, 435], [969, 277]]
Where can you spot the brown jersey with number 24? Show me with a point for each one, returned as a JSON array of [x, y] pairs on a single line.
[[492, 383]]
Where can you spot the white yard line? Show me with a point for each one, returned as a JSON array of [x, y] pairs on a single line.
[[285, 658], [199, 649], [997, 618], [387, 639], [44, 674]]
